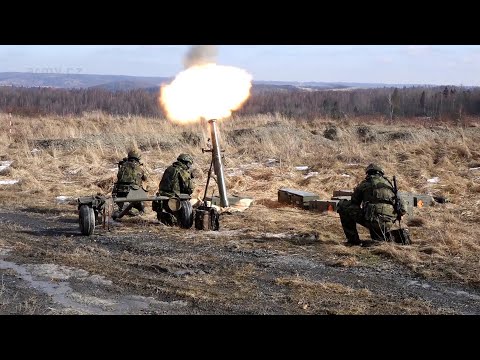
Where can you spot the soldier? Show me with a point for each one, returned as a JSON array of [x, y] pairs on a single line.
[[177, 179], [371, 205], [130, 174]]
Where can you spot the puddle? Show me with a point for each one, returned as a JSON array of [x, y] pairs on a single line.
[[88, 300], [55, 272], [74, 302], [57, 290]]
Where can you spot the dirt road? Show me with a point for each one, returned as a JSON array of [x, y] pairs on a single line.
[[142, 267]]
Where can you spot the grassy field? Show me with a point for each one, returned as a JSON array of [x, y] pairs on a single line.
[[77, 156]]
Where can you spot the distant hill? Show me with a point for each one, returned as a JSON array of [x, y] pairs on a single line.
[[125, 85], [124, 82], [79, 81]]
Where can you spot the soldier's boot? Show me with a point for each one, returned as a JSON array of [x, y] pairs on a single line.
[[349, 228], [353, 240], [166, 218]]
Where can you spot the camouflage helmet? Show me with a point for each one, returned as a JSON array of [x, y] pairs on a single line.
[[134, 154], [373, 168], [185, 158]]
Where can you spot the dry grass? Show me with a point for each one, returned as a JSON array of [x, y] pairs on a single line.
[[415, 222], [316, 297], [73, 157]]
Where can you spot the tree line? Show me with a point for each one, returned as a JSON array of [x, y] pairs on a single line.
[[446, 102]]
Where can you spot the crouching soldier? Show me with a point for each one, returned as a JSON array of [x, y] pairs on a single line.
[[371, 205], [130, 175], [177, 179]]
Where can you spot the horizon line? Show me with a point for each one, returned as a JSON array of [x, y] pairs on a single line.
[[253, 80]]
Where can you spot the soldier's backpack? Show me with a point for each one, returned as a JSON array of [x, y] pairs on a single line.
[[127, 173]]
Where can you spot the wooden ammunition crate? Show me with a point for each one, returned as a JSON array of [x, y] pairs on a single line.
[[323, 205], [296, 197]]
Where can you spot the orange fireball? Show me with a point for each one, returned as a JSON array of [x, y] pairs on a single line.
[[207, 91]]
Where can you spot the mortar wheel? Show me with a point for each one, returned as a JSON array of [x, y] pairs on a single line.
[[86, 219], [185, 215]]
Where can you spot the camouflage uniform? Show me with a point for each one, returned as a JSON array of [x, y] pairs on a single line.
[[177, 179], [130, 173], [371, 206]]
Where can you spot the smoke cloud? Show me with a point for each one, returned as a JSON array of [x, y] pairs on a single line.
[[200, 55]]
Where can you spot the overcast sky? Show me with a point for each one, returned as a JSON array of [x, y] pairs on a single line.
[[391, 64]]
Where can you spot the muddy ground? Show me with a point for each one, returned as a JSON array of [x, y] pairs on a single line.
[[139, 266]]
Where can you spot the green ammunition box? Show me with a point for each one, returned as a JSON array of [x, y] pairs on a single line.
[[296, 197], [420, 200]]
